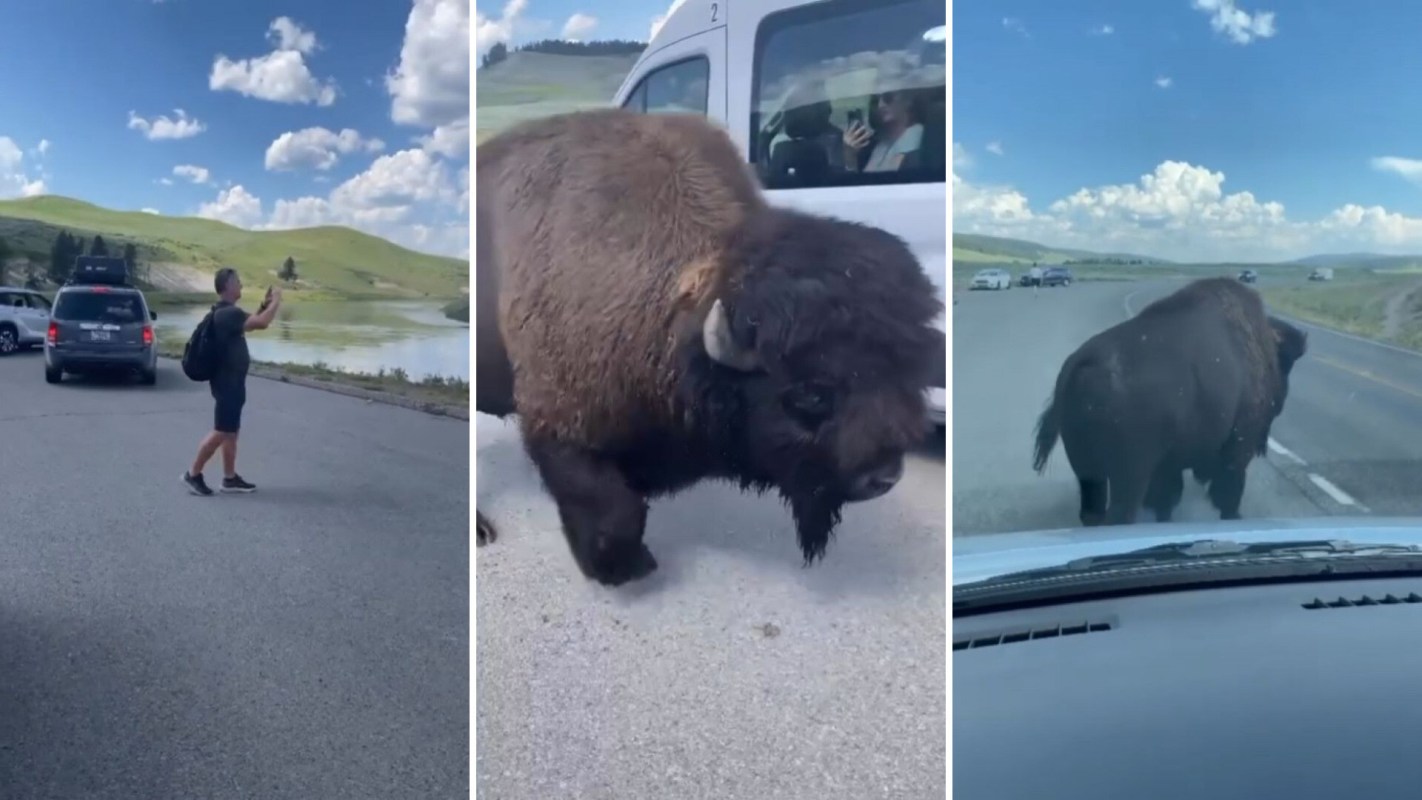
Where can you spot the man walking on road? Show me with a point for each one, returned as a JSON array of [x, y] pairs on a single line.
[[230, 325]]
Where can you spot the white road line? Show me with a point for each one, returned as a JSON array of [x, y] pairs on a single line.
[[1338, 495], [1285, 452]]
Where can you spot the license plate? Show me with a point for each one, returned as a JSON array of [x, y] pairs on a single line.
[[99, 336]]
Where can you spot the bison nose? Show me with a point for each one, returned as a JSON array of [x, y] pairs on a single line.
[[877, 481]]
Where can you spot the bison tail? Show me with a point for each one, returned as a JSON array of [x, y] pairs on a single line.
[[1047, 432]]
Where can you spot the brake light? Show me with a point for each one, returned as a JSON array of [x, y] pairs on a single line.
[[99, 289], [53, 332], [148, 334]]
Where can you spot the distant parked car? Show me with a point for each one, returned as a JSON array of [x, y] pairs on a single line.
[[1248, 276], [1321, 274], [991, 279], [24, 318], [1056, 276], [1032, 277]]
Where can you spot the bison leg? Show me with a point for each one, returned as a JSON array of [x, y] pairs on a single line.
[[1227, 490], [603, 519], [1128, 488], [1093, 501], [1167, 486], [484, 529]]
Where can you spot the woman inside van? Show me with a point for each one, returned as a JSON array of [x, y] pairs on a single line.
[[897, 139]]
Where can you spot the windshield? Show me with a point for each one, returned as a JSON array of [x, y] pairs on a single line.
[[1227, 322], [116, 309]]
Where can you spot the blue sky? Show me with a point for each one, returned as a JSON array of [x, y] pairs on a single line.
[[518, 22], [1190, 129], [293, 113]]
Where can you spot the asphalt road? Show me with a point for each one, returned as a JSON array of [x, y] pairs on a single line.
[[1349, 441], [732, 672], [306, 641]]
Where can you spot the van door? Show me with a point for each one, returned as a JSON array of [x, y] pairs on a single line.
[[802, 75]]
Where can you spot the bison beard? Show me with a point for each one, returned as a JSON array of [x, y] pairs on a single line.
[[657, 324], [1194, 381]]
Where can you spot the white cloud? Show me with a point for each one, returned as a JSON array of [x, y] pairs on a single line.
[[42, 149], [661, 19], [1182, 211], [147, 210], [1015, 25], [578, 26], [489, 31], [1240, 26], [235, 206], [15, 178], [1164, 81], [995, 148], [1409, 168], [961, 159], [1103, 30], [181, 126], [430, 86], [288, 35], [408, 197], [280, 76], [166, 181], [192, 172], [317, 148]]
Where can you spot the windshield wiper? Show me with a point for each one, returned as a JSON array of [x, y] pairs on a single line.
[[1201, 551]]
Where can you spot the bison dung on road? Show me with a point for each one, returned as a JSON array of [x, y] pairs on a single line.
[[1194, 381], [658, 323]]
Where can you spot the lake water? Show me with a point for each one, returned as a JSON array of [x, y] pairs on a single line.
[[356, 336]]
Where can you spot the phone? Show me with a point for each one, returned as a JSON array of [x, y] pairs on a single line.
[[266, 301], [856, 117]]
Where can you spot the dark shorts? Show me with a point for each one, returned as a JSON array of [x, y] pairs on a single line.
[[227, 413]]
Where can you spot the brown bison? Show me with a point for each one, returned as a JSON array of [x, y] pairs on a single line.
[[1194, 381], [658, 324]]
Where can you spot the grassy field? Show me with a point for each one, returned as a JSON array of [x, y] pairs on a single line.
[[531, 85], [1379, 305], [332, 262]]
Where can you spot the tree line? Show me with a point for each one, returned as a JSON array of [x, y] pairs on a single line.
[[67, 247], [562, 47]]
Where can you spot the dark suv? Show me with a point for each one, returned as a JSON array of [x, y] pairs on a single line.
[[96, 328]]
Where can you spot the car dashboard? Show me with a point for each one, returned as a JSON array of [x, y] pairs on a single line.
[[1286, 690]]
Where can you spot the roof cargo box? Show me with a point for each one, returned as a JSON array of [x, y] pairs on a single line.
[[105, 270]]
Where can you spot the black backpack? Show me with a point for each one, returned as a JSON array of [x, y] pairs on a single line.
[[202, 355]]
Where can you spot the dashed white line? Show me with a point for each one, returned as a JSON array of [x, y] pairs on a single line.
[[1339, 496], [1285, 452]]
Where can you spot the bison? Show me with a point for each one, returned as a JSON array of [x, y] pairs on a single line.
[[652, 322], [1194, 381]]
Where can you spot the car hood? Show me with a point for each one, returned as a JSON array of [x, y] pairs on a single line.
[[980, 557]]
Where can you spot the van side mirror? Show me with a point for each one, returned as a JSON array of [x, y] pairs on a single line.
[[153, 316]]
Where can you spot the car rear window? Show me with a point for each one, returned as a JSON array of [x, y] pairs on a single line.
[[100, 307]]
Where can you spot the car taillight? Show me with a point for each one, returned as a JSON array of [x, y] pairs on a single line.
[[148, 334], [53, 332]]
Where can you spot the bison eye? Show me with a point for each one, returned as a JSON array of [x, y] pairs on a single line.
[[810, 404]]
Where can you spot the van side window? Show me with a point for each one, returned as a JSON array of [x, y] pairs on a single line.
[[679, 88], [850, 93]]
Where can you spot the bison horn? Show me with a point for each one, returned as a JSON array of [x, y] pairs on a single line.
[[721, 346]]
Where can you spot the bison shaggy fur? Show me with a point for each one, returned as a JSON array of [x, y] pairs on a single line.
[[1194, 381], [658, 323]]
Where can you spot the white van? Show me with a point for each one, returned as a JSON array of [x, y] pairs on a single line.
[[788, 78]]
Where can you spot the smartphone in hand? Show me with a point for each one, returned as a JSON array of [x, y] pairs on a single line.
[[266, 301]]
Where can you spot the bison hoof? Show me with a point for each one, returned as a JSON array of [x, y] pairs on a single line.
[[620, 564], [484, 532]]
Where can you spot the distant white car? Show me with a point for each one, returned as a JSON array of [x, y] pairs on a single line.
[[992, 279]]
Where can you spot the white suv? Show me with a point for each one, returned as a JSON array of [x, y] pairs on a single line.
[[24, 319], [788, 79]]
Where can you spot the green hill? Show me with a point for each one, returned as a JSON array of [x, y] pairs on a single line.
[[530, 85], [978, 248], [330, 260]]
